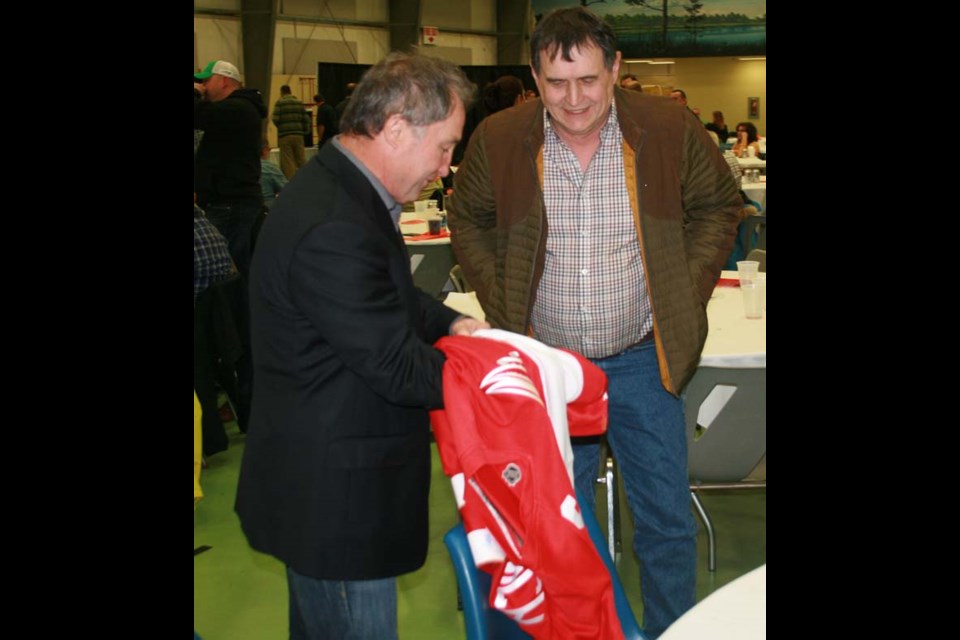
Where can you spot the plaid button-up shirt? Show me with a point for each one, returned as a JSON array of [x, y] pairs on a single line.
[[592, 297], [211, 257]]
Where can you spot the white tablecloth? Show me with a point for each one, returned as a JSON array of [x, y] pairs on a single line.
[[736, 611], [752, 163], [756, 191], [412, 222], [733, 341]]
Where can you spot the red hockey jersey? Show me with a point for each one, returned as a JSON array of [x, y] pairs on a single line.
[[511, 403]]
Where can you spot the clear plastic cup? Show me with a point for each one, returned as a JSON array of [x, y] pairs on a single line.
[[752, 298]]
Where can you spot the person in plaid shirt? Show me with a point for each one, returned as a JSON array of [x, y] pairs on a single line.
[[597, 220], [211, 257]]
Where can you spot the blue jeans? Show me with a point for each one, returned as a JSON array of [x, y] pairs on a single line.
[[342, 609], [647, 434], [236, 222]]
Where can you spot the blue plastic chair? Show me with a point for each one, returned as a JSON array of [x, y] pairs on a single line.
[[484, 623]]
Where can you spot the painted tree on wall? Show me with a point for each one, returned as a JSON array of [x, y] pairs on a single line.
[[667, 28], [694, 17], [651, 6]]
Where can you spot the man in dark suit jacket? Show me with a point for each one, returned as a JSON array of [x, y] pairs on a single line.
[[336, 470]]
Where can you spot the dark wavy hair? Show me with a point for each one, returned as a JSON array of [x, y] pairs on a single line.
[[751, 131], [419, 88], [563, 29]]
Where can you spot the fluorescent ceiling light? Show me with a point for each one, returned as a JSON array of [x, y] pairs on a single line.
[[648, 62], [760, 58], [663, 62]]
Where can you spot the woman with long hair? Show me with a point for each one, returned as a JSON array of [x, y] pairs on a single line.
[[746, 138]]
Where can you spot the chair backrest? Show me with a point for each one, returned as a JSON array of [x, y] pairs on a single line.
[[484, 623], [459, 282], [758, 237], [760, 255], [736, 439]]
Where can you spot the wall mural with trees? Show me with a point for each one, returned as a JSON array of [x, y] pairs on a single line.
[[678, 28]]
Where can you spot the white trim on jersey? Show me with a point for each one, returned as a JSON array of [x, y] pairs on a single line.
[[561, 378]]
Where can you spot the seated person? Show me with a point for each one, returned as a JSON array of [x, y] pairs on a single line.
[[211, 258], [746, 138], [718, 126], [272, 179]]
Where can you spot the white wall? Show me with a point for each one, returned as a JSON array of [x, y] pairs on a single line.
[[714, 84], [217, 39], [372, 44]]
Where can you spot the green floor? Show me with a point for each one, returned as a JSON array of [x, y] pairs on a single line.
[[239, 594]]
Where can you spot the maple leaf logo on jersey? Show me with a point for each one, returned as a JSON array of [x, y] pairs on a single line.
[[510, 376]]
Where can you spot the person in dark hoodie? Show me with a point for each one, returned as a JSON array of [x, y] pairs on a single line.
[[226, 174]]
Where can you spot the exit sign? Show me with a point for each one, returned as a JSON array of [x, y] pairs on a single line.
[[430, 35]]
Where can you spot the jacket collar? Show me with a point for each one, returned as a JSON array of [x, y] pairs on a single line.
[[631, 130], [355, 183]]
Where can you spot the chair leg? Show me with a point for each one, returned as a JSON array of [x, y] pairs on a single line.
[[613, 497], [708, 525], [609, 479]]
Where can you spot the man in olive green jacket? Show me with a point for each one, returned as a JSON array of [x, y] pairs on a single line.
[[293, 123], [598, 220]]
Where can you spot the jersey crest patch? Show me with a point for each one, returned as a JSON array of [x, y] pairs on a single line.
[[511, 474]]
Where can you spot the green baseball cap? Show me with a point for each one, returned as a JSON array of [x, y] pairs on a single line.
[[218, 68]]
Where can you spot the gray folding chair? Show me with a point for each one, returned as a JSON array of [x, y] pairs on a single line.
[[760, 255], [459, 282], [723, 455], [608, 478], [761, 229]]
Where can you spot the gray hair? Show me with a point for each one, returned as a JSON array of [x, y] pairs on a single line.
[[419, 88]]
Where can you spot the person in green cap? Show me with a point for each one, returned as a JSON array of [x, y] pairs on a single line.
[[226, 173]]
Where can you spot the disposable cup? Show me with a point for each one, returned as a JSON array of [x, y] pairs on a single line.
[[752, 299], [748, 270], [420, 206], [434, 226]]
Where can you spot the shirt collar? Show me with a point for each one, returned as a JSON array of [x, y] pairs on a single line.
[[394, 207]]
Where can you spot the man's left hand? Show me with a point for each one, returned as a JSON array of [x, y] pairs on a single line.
[[466, 325]]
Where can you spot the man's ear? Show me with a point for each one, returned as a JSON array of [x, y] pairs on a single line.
[[394, 128]]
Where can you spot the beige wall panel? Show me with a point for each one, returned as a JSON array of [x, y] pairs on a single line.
[[225, 5], [218, 39], [301, 56], [368, 44], [483, 48], [373, 10], [713, 84], [458, 55], [482, 15]]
